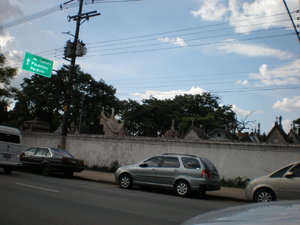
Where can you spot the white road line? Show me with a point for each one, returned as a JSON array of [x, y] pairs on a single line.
[[36, 187]]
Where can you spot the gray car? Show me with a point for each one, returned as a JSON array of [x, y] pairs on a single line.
[[183, 173], [281, 184]]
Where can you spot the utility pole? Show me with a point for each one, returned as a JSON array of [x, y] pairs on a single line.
[[291, 18], [72, 52]]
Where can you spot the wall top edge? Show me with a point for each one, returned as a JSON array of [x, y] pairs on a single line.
[[160, 139]]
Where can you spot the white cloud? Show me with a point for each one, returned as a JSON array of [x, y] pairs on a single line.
[[243, 112], [8, 9], [167, 94], [252, 50], [288, 104], [242, 82], [7, 48], [286, 125], [286, 74], [212, 10], [175, 41], [243, 15]]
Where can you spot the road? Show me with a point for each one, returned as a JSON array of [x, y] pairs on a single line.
[[32, 199]]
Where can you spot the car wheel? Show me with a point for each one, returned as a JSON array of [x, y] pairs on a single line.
[[7, 170], [68, 174], [125, 181], [182, 188], [46, 169], [264, 195]]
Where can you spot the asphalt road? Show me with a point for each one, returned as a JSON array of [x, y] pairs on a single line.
[[32, 199]]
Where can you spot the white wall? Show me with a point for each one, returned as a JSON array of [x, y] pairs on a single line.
[[231, 159]]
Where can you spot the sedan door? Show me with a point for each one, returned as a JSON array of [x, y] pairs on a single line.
[[290, 184], [40, 156], [27, 158]]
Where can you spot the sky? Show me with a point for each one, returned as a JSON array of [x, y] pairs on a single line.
[[246, 52]]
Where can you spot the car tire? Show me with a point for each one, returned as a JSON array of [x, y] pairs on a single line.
[[125, 181], [46, 169], [264, 195], [69, 174], [182, 188], [7, 169]]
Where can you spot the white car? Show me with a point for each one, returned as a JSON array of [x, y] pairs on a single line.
[[10, 148], [281, 184]]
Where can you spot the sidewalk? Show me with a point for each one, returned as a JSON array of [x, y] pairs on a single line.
[[109, 178]]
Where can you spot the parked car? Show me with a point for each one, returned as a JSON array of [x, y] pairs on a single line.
[[10, 148], [281, 184], [49, 160], [183, 173], [269, 213]]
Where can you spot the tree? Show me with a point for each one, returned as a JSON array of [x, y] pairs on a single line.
[[153, 117], [43, 98], [297, 121], [6, 92]]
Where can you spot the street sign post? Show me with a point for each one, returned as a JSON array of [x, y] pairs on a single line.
[[38, 65]]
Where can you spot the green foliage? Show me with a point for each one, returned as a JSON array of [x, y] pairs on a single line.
[[238, 182], [153, 117], [113, 166], [6, 92], [44, 98], [297, 121]]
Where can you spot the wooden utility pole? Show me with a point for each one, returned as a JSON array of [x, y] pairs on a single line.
[[72, 70]]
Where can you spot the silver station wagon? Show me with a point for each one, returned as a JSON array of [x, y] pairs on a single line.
[[181, 172]]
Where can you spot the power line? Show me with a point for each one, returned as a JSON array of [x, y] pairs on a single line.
[[165, 43], [113, 42], [189, 46], [189, 34], [56, 9], [224, 91]]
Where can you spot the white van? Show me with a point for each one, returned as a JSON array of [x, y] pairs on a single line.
[[10, 148]]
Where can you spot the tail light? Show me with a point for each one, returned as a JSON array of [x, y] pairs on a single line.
[[205, 173]]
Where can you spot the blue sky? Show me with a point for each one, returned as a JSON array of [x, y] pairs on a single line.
[[246, 52]]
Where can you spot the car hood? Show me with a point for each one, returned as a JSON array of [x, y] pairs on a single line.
[[271, 213], [258, 179]]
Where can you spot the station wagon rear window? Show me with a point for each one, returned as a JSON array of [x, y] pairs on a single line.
[[190, 163]]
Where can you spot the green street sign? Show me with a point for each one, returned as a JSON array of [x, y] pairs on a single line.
[[38, 65]]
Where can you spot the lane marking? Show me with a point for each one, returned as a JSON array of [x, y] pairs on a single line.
[[36, 187]]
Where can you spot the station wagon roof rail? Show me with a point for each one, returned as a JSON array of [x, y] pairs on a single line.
[[179, 154]]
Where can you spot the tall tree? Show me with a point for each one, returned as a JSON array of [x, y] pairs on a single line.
[[44, 97], [153, 117], [6, 92]]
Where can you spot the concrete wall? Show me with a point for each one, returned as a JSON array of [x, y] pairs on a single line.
[[231, 159]]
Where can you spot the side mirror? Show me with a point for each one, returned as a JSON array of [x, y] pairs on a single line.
[[289, 174], [144, 165]]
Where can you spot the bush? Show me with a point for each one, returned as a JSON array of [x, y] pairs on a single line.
[[238, 182], [113, 166]]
